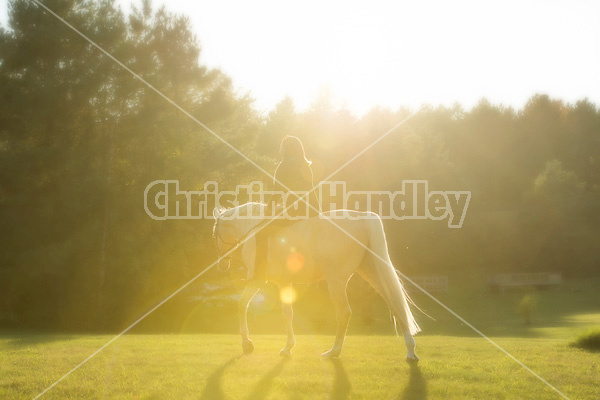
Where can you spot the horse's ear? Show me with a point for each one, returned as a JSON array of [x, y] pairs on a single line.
[[216, 213]]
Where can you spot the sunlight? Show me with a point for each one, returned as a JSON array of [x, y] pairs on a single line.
[[288, 295], [397, 53], [106, 296]]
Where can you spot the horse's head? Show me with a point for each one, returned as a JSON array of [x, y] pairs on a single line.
[[231, 227]]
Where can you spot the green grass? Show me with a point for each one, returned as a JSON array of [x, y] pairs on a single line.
[[207, 366], [455, 362]]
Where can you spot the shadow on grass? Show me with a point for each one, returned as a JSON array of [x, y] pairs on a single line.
[[264, 385], [341, 385], [214, 389], [417, 385]]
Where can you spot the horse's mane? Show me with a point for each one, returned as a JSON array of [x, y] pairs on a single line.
[[244, 210], [250, 208]]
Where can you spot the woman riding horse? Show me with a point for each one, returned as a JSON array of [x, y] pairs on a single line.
[[331, 248], [292, 176]]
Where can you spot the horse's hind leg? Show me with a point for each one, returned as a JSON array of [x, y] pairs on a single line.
[[409, 341], [247, 295], [337, 291], [288, 315]]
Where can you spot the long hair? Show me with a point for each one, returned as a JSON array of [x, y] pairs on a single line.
[[292, 150]]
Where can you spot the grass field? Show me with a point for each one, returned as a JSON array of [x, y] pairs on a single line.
[[455, 363], [372, 367]]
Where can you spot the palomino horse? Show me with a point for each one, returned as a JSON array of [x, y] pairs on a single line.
[[311, 250]]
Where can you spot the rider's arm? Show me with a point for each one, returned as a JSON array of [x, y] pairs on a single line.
[[314, 195]]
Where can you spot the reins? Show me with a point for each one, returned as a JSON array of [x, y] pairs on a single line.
[[234, 245]]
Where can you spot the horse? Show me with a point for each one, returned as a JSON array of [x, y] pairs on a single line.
[[311, 250]]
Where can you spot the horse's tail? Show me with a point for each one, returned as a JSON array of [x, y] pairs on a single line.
[[389, 284]]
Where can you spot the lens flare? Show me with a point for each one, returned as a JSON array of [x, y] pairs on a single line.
[[287, 295], [295, 261]]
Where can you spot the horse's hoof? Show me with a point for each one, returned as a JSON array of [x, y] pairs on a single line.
[[248, 347], [412, 360], [285, 353], [331, 354]]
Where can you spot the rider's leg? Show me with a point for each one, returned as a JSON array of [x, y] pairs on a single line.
[[260, 260], [262, 247]]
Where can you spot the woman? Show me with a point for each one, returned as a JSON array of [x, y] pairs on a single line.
[[293, 177]]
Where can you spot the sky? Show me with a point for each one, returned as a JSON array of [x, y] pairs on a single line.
[[398, 53]]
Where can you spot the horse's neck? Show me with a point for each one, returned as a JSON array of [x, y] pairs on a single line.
[[244, 223]]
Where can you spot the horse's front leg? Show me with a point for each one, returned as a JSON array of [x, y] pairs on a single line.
[[337, 292], [288, 316], [249, 291]]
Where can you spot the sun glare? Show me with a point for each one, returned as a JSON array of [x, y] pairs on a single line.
[[399, 53], [287, 294], [295, 262]]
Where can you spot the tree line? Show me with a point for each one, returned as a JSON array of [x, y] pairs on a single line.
[[80, 139]]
